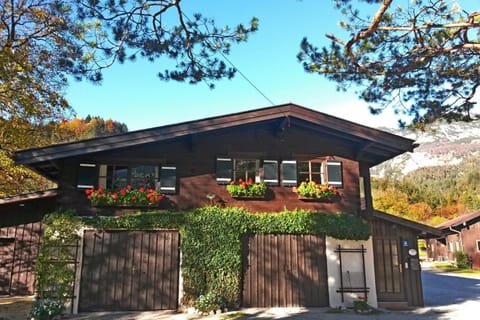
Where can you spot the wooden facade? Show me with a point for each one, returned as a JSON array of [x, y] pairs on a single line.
[[19, 247], [397, 263], [284, 271], [20, 237], [130, 270], [279, 270]]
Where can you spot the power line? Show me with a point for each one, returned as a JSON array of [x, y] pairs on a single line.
[[237, 69]]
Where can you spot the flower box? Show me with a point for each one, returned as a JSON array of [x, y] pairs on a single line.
[[249, 197], [127, 197], [311, 191], [247, 190], [322, 199]]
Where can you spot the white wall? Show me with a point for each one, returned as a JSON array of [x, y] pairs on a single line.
[[352, 271]]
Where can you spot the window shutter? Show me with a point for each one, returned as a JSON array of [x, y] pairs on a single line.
[[334, 173], [168, 179], [289, 173], [270, 172], [224, 170], [87, 176]]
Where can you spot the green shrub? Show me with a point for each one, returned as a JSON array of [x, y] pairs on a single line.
[[209, 302], [462, 260]]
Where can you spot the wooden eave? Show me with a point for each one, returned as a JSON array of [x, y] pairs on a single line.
[[423, 230], [374, 146]]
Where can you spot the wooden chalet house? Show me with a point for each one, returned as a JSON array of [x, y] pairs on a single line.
[[459, 234], [191, 163]]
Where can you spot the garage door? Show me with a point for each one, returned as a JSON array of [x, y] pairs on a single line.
[[285, 270], [129, 270]]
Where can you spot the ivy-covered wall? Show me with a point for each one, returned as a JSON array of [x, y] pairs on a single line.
[[211, 240]]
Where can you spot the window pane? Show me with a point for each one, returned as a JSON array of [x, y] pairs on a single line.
[[168, 179], [87, 175], [316, 172], [289, 173], [117, 177], [270, 172], [334, 173], [246, 169], [143, 176], [224, 170]]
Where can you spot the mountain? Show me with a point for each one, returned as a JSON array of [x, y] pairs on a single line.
[[440, 144]]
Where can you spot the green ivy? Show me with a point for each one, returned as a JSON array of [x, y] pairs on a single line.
[[212, 240]]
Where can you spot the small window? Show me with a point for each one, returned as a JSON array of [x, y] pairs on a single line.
[[168, 179], [270, 172], [310, 171], [246, 169], [289, 173], [87, 176], [478, 245], [334, 174], [224, 170]]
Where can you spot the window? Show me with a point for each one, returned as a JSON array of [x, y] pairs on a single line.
[[116, 177], [246, 169], [224, 170], [289, 173], [334, 173], [270, 172], [168, 179], [478, 245], [310, 171], [144, 176], [87, 175]]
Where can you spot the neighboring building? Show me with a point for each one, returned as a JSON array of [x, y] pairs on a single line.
[[459, 234], [192, 162], [20, 233]]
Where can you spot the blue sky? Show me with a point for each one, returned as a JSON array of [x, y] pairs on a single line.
[[132, 93]]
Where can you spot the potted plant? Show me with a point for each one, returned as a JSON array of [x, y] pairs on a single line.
[[246, 189], [127, 196], [310, 190]]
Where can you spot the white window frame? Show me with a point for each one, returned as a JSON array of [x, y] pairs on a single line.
[[290, 182], [337, 184]]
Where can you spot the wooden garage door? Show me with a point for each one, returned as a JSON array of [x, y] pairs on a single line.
[[285, 270], [129, 270]]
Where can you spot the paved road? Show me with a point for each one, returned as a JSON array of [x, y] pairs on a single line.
[[446, 298], [456, 297]]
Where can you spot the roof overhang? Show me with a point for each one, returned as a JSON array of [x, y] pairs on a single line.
[[423, 230], [372, 146]]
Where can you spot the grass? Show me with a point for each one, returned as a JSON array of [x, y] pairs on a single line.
[[447, 267]]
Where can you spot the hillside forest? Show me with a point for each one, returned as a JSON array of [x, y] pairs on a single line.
[[430, 195], [17, 134]]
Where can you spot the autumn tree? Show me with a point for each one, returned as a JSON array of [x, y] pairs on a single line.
[[44, 43], [422, 58]]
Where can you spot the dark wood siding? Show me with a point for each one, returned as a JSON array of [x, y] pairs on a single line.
[[397, 274], [130, 270], [285, 270], [19, 247], [195, 160]]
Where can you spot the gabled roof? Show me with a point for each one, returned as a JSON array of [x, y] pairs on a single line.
[[423, 230], [372, 144], [462, 220]]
